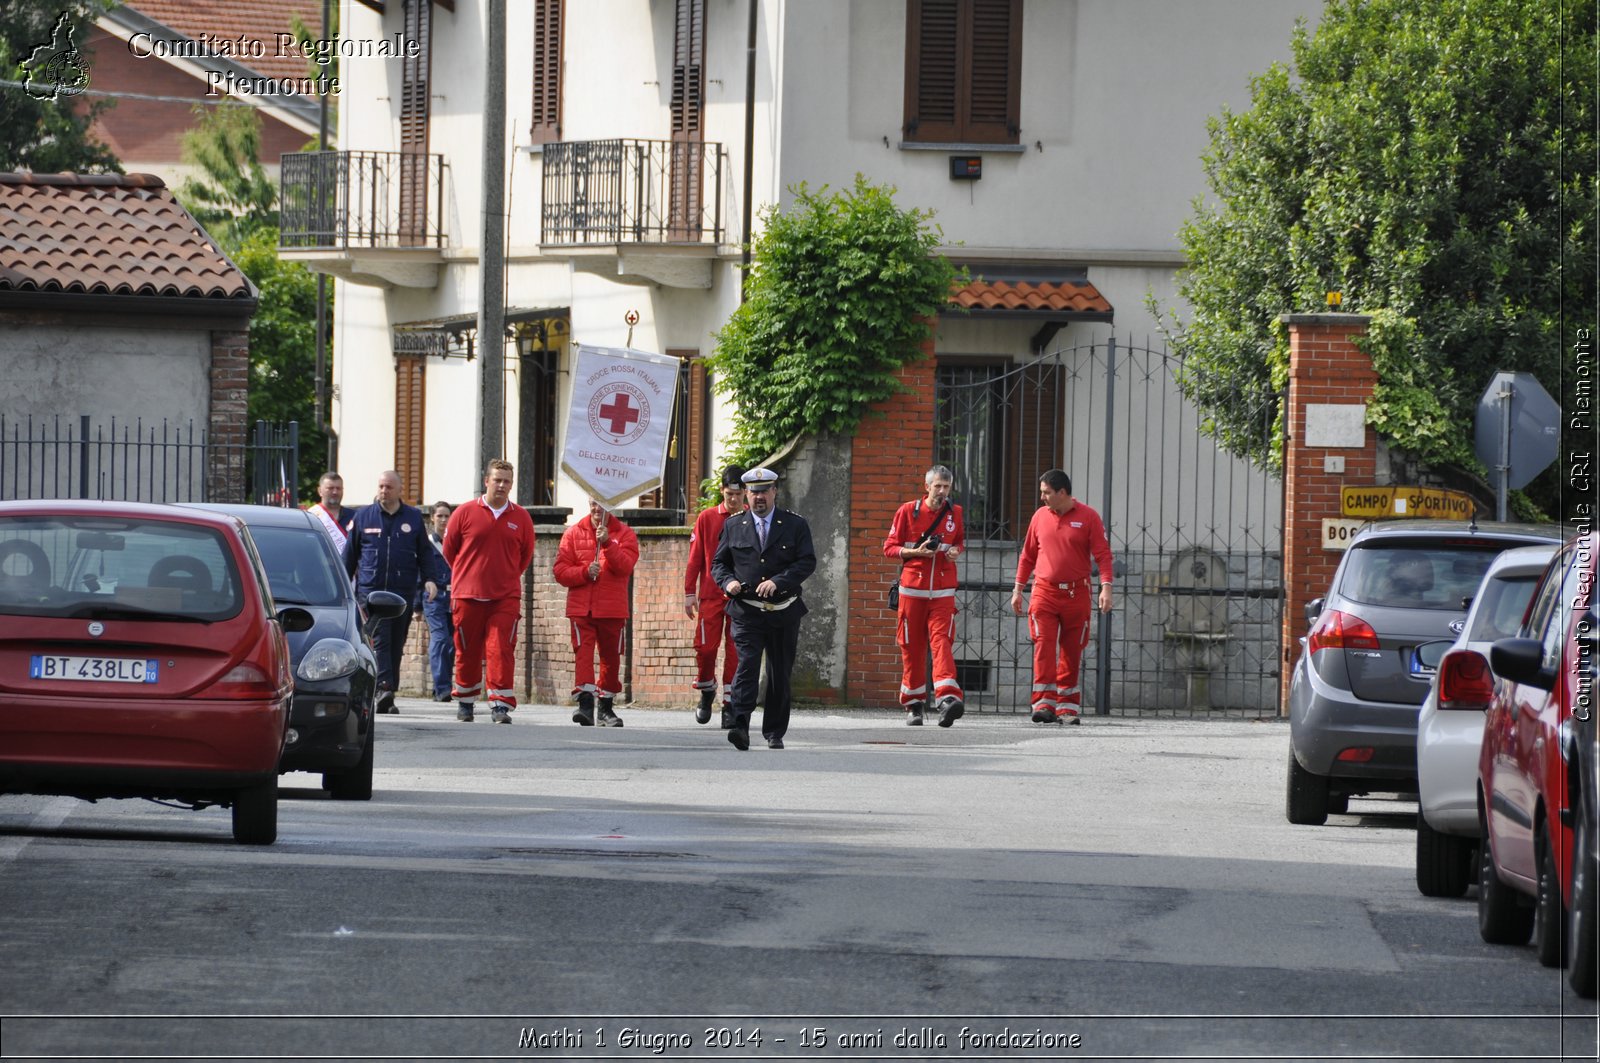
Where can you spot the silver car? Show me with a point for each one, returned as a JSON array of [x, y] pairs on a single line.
[[1397, 602], [1450, 725]]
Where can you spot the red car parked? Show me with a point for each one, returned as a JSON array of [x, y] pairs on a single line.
[[140, 657], [1525, 805]]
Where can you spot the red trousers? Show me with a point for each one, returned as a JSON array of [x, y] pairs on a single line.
[[486, 634], [924, 624], [1058, 623], [714, 628], [602, 635]]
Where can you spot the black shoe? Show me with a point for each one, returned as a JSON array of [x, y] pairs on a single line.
[[501, 714], [914, 714], [386, 701], [1066, 714], [739, 737], [953, 711], [727, 720], [774, 743], [607, 718], [464, 713], [703, 713], [583, 715], [1045, 716], [443, 696]]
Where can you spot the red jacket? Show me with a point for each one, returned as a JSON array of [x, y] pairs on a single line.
[[1058, 548], [911, 522], [608, 595], [702, 548], [488, 556]]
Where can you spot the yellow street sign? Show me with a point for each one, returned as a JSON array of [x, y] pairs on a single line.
[[1375, 502]]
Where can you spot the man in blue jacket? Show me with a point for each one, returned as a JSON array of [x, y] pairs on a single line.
[[389, 550]]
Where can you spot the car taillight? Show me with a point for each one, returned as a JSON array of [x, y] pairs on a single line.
[[247, 680], [1465, 681], [1337, 630]]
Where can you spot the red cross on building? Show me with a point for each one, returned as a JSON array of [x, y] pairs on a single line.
[[620, 412]]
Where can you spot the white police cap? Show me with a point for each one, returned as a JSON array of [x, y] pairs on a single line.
[[759, 476]]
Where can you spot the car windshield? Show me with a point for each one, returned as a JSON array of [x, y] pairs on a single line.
[[1501, 603], [95, 567], [299, 568], [1417, 575]]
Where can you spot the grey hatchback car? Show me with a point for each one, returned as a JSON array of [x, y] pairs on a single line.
[[1398, 600]]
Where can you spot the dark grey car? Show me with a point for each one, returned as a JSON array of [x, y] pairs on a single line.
[[1397, 602]]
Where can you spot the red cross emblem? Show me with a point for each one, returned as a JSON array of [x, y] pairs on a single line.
[[619, 412]]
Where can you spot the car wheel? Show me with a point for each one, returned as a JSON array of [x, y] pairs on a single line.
[[1549, 917], [353, 783], [255, 814], [1307, 802], [1504, 918], [1583, 955], [1444, 862]]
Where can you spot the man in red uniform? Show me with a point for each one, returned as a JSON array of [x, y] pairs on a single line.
[[703, 600], [594, 562], [489, 545], [927, 535], [1062, 537]]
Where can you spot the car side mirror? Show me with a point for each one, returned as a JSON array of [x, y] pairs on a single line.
[[295, 618], [1314, 610], [382, 605], [1521, 661]]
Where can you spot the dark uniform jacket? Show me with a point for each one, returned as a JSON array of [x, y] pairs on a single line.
[[787, 560], [392, 553]]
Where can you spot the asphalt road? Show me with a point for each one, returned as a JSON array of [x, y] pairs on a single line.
[[1000, 890]]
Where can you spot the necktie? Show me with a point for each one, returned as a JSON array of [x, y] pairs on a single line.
[[761, 530]]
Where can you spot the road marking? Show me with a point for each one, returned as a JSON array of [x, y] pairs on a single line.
[[48, 818]]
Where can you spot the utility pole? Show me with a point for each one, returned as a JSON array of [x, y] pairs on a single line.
[[322, 415], [491, 248]]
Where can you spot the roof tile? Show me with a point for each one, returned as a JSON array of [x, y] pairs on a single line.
[[256, 21], [1064, 297], [107, 233]]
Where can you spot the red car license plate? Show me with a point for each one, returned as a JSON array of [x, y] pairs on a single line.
[[92, 669]]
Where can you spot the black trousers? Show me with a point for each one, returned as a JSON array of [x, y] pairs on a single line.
[[775, 637], [388, 646]]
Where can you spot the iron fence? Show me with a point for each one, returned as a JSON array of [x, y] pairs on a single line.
[[75, 458], [365, 199], [632, 191]]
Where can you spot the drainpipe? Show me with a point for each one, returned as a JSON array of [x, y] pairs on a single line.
[[749, 141]]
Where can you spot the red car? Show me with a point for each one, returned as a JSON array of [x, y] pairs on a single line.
[[140, 656], [1525, 806]]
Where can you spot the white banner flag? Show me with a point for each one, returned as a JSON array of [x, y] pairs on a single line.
[[619, 421]]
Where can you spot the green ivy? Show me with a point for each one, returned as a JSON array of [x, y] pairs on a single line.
[[842, 291]]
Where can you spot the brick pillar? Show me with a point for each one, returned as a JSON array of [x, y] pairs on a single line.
[[891, 451], [1330, 381], [226, 420]]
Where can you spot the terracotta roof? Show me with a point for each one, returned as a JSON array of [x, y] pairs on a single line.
[[257, 21], [111, 234], [1036, 298]]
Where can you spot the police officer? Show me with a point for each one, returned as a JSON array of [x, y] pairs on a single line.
[[763, 557]]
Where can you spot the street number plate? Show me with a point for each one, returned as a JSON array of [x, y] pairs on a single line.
[[92, 669]]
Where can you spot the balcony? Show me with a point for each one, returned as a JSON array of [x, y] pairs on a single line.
[[369, 217], [647, 211]]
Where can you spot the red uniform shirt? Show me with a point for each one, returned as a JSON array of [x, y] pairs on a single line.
[[912, 521], [1058, 548], [702, 548], [488, 556], [606, 597]]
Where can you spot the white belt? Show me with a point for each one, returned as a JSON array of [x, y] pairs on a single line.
[[918, 592], [771, 607]]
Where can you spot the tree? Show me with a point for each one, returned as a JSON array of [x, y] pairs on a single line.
[[44, 125], [1433, 162], [233, 197], [842, 290]]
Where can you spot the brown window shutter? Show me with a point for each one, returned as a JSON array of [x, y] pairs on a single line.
[[548, 16], [688, 68], [409, 403], [412, 224], [995, 79], [963, 71]]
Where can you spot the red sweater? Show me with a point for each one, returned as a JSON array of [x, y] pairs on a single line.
[[606, 597], [488, 556], [702, 548], [912, 521], [1058, 548]]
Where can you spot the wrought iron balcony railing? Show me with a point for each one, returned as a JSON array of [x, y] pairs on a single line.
[[632, 191], [335, 200]]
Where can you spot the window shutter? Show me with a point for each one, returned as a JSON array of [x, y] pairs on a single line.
[[409, 403], [547, 20], [963, 71], [996, 68], [933, 61], [688, 68], [414, 106]]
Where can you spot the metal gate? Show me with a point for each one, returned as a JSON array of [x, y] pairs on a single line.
[[1196, 533]]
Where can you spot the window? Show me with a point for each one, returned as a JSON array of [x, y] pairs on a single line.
[[998, 425], [547, 20], [415, 71], [410, 393], [688, 106], [541, 347], [963, 71]]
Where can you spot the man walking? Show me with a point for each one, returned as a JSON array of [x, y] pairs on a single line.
[[703, 600], [594, 562], [388, 550], [1062, 537], [927, 535], [488, 545], [441, 631], [329, 509], [765, 554]]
